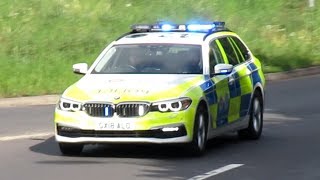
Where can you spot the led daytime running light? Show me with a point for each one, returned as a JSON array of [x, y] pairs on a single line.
[[71, 106], [168, 106], [173, 105]]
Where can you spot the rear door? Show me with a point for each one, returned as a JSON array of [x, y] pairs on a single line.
[[244, 74]]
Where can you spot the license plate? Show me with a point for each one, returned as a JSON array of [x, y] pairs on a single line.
[[114, 125]]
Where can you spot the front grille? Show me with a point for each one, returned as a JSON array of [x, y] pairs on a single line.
[[122, 109], [99, 110], [132, 109]]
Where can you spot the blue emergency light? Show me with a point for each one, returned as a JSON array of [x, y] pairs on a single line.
[[168, 27], [200, 27]]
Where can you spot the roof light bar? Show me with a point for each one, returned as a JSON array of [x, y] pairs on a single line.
[[167, 27], [141, 27], [219, 24], [200, 27]]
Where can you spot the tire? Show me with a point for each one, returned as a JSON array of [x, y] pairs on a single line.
[[254, 129], [70, 148], [198, 144]]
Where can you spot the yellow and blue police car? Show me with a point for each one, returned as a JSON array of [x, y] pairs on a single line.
[[164, 83]]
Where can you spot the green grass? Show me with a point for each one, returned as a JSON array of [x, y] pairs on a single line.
[[41, 39]]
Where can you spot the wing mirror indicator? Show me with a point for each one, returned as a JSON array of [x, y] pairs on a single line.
[[222, 69]]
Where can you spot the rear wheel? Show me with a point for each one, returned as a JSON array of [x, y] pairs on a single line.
[[199, 140], [254, 129], [70, 148]]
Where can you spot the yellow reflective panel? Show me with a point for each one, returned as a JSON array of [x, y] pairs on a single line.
[[234, 109], [214, 110], [246, 86]]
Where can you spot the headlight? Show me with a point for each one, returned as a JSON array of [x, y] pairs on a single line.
[[171, 105], [69, 105]]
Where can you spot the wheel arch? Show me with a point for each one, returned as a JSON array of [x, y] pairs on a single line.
[[205, 105], [258, 88], [249, 132]]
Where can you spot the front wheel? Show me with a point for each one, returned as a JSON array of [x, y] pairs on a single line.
[[254, 129], [199, 140], [70, 148]]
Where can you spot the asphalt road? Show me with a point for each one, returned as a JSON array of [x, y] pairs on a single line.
[[288, 149]]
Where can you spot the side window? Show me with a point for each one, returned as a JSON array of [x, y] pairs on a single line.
[[228, 49], [242, 48], [236, 49], [214, 55]]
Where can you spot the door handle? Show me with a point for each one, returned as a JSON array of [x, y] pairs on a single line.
[[231, 80], [248, 72]]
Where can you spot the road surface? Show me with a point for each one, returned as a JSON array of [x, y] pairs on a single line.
[[289, 148]]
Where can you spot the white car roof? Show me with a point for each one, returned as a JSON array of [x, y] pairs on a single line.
[[163, 37]]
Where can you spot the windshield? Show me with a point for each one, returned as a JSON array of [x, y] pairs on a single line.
[[151, 59]]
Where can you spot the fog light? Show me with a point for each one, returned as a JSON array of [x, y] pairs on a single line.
[[66, 129], [170, 129], [63, 128]]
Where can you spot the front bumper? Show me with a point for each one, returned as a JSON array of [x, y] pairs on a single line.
[[177, 134], [160, 128], [183, 139]]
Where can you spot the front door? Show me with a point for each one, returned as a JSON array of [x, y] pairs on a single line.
[[219, 109]]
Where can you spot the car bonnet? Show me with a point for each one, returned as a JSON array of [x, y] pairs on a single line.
[[133, 87]]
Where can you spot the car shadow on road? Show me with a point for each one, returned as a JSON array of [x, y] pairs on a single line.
[[158, 161], [150, 151]]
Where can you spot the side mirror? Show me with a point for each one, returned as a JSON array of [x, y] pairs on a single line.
[[223, 69], [80, 68]]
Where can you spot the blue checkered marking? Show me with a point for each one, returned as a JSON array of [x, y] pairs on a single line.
[[245, 103], [255, 77], [237, 84], [234, 88], [208, 88], [246, 98], [223, 110]]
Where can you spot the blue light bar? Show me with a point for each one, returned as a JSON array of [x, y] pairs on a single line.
[[219, 24], [167, 27], [200, 27]]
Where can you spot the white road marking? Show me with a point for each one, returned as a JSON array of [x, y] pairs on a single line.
[[25, 136], [216, 172]]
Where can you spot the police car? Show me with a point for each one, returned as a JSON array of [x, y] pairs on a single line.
[[164, 83]]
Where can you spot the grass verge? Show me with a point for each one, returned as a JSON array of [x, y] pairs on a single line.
[[41, 39]]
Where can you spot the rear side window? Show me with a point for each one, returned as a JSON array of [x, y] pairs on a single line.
[[242, 48], [229, 50], [237, 50]]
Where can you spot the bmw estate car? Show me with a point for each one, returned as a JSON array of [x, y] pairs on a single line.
[[165, 84]]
